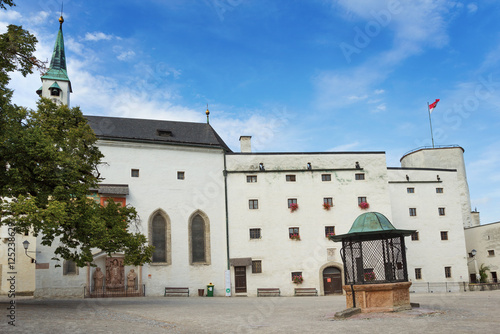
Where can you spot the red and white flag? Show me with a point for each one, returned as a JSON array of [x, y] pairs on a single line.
[[433, 105]]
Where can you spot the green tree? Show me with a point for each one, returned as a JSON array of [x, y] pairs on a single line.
[[48, 167], [483, 276]]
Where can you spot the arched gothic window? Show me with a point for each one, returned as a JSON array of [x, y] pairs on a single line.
[[159, 237], [199, 239]]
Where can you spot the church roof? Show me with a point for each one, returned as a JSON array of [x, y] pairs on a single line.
[[57, 69], [161, 132]]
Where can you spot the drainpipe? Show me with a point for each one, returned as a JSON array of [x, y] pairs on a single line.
[[227, 211]]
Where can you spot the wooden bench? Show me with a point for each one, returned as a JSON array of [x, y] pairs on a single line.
[[171, 291], [271, 292], [306, 292]]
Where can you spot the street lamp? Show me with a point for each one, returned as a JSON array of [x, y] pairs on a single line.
[[478, 277], [26, 245]]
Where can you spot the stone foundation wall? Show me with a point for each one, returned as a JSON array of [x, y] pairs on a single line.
[[484, 286]]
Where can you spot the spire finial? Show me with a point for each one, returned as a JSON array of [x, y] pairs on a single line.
[[61, 19], [208, 114]]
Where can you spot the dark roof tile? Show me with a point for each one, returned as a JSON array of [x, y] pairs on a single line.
[[173, 132]]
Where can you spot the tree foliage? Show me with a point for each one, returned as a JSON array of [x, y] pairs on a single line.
[[48, 168], [483, 276]]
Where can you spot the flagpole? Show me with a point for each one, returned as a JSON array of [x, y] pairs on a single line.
[[430, 123]]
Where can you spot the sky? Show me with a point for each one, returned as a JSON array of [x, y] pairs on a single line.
[[297, 76]]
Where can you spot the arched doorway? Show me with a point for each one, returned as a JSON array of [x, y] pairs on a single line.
[[332, 280]]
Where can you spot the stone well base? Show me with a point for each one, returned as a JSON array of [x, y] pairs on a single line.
[[387, 297]]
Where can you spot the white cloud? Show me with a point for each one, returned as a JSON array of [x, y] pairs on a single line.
[[38, 18], [9, 15], [472, 8], [126, 55], [379, 108], [344, 147], [379, 91], [97, 36]]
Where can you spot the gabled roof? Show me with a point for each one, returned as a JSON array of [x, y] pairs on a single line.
[[161, 132]]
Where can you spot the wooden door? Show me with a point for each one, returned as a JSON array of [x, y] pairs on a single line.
[[240, 279], [332, 280]]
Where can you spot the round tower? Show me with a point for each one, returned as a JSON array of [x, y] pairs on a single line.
[[448, 158]]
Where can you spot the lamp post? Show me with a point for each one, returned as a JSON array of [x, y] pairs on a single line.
[[26, 245], [478, 277]]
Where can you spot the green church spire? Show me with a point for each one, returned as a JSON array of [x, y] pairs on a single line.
[[57, 69]]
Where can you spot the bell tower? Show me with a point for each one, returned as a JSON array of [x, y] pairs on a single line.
[[55, 83]]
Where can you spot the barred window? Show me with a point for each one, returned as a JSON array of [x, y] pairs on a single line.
[[413, 212], [444, 235], [253, 204], [418, 273], [447, 272], [251, 178], [326, 177], [256, 267], [290, 178], [255, 233], [359, 176], [414, 236]]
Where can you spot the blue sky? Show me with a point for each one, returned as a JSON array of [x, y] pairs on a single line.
[[317, 75]]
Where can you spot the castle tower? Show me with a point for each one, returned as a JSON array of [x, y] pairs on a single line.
[[445, 157], [55, 83]]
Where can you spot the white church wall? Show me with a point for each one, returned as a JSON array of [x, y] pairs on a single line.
[[157, 188]]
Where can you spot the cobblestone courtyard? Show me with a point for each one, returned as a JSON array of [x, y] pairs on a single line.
[[467, 312]]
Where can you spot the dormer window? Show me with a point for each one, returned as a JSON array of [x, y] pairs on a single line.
[[164, 133]]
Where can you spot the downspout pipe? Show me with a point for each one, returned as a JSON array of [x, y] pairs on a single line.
[[227, 211]]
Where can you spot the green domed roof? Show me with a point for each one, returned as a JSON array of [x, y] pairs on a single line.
[[371, 225], [371, 222]]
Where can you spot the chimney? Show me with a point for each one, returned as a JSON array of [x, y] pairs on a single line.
[[245, 144], [475, 218]]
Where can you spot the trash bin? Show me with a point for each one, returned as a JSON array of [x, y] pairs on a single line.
[[201, 292], [210, 290]]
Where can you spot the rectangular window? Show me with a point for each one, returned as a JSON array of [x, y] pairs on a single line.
[[328, 200], [447, 272], [293, 233], [251, 178], [292, 201], [418, 273], [253, 204], [414, 236], [134, 173], [439, 190], [410, 190], [329, 230], [256, 267], [444, 235], [180, 175], [326, 177], [413, 212], [441, 211], [359, 176], [361, 200], [290, 178], [255, 233], [491, 252], [297, 275], [69, 268]]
